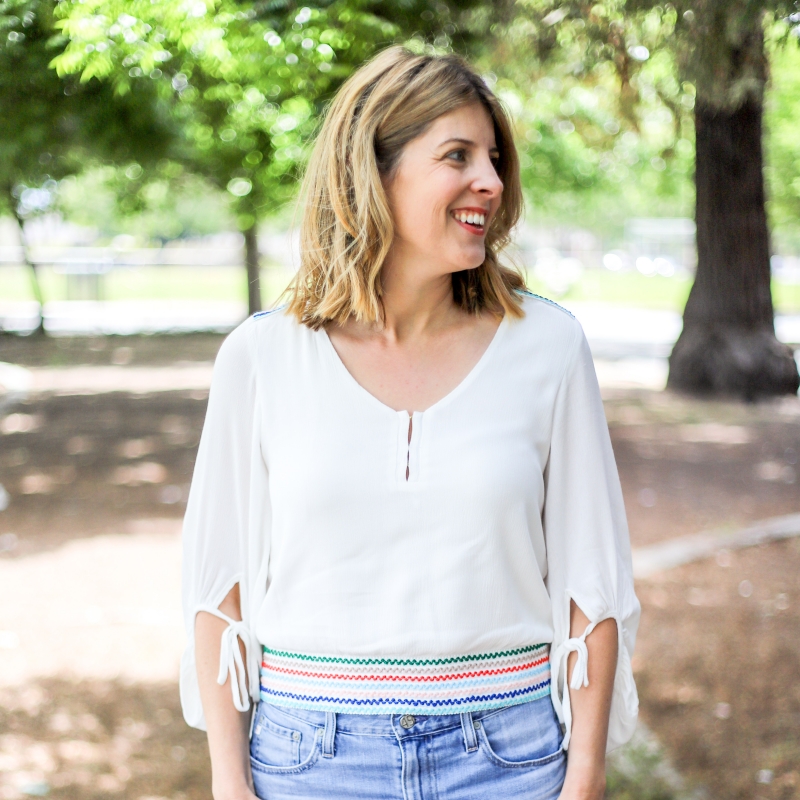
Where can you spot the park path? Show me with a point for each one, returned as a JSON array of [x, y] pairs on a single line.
[[101, 608]]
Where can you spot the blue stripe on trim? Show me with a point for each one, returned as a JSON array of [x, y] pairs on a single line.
[[545, 300], [269, 695], [266, 313]]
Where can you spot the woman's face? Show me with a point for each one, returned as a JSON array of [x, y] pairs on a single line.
[[444, 193]]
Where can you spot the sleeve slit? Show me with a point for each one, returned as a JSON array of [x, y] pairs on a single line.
[[242, 672], [580, 672]]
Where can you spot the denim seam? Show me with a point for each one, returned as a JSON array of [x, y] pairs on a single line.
[[288, 712], [431, 754], [312, 759], [533, 762], [339, 730]]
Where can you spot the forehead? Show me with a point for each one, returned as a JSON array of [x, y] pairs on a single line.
[[466, 122]]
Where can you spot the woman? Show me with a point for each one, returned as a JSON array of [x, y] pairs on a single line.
[[405, 518]]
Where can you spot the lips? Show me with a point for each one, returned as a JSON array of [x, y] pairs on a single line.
[[471, 219]]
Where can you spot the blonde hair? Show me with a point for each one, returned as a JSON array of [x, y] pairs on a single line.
[[347, 230]]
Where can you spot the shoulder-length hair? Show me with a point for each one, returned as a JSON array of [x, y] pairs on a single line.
[[346, 230]]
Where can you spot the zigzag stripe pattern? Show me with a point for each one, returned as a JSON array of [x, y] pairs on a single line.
[[397, 686], [404, 662]]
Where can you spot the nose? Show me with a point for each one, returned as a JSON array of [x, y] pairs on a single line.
[[486, 181]]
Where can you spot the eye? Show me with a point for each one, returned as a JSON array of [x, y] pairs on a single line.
[[457, 155]]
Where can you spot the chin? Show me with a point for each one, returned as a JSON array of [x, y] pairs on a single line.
[[474, 263], [471, 261]]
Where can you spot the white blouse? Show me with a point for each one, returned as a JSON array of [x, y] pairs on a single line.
[[347, 539]]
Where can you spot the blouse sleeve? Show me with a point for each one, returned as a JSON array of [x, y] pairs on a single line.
[[221, 536], [588, 548]]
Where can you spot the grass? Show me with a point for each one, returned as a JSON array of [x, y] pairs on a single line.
[[625, 288], [228, 283], [148, 283], [657, 292], [639, 771]]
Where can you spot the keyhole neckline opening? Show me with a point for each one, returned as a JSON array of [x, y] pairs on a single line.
[[408, 449]]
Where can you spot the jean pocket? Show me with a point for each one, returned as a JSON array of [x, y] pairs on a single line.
[[526, 735], [281, 745]]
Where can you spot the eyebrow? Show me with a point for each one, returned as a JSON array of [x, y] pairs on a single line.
[[466, 141]]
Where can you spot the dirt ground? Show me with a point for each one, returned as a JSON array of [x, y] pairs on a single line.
[[718, 654], [717, 670], [153, 350]]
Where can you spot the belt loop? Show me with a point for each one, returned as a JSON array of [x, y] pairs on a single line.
[[329, 734], [468, 729]]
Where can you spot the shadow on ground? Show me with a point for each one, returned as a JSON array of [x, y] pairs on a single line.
[[98, 739]]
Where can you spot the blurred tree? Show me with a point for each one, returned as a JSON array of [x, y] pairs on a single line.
[[246, 81], [47, 123], [728, 343], [782, 151], [160, 204], [590, 150], [709, 56]]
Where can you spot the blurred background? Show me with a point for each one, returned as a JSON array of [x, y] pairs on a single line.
[[149, 157]]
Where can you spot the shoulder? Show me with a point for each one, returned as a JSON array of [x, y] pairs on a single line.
[[547, 326], [261, 328], [541, 346], [251, 340], [535, 302]]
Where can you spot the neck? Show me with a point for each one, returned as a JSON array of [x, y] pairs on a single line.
[[416, 301]]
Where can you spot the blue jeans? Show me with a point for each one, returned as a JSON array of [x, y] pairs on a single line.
[[512, 752]]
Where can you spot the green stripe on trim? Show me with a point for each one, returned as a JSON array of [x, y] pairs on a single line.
[[405, 662]]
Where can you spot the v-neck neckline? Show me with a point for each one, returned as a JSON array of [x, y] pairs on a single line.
[[460, 387]]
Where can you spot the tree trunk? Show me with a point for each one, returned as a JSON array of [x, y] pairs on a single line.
[[728, 345], [251, 261], [34, 275]]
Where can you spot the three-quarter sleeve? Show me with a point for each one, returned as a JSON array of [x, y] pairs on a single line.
[[588, 548], [224, 538]]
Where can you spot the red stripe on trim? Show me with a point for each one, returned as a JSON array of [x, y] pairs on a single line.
[[410, 679]]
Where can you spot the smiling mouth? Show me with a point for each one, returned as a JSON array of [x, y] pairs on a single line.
[[473, 221]]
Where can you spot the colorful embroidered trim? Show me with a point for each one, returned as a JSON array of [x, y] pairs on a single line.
[[401, 686], [546, 300]]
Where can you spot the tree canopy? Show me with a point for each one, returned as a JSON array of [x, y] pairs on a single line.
[[245, 81]]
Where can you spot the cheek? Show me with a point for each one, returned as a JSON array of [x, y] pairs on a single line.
[[421, 218]]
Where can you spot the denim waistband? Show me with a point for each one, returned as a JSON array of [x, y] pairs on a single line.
[[386, 724]]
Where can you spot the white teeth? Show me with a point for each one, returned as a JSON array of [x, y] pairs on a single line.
[[472, 218]]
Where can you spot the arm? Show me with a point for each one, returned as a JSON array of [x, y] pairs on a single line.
[[227, 728], [591, 706], [590, 580]]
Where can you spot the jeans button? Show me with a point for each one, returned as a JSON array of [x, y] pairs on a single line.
[[407, 721]]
